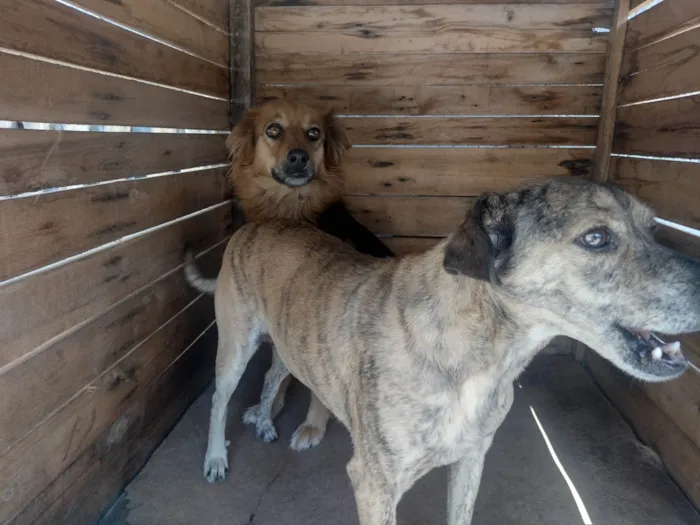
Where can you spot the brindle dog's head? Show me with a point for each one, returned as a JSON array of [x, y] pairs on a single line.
[[582, 255], [289, 144]]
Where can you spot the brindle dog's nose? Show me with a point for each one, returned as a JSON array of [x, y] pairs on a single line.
[[297, 158]]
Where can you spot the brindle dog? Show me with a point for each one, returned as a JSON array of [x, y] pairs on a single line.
[[417, 356], [288, 164]]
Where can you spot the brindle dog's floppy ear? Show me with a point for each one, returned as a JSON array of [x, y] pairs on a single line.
[[479, 248], [241, 142], [336, 141]]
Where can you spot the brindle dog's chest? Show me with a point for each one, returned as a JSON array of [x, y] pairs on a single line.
[[447, 425]]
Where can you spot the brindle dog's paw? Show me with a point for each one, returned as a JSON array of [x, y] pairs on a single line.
[[251, 416], [264, 428], [306, 436], [215, 469]]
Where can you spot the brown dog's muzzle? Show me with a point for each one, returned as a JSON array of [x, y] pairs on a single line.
[[296, 170]]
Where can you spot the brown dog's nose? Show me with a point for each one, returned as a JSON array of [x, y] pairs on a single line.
[[297, 158]]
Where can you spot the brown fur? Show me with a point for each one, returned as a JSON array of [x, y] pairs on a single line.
[[254, 155], [417, 356], [257, 158]]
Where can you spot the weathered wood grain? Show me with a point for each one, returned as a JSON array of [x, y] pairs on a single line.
[[242, 57], [30, 466], [88, 487], [679, 400], [679, 241], [431, 70], [476, 130], [75, 293], [45, 229], [214, 12], [167, 22], [671, 188], [656, 429], [37, 387], [670, 128], [436, 100], [410, 216], [473, 40], [661, 20], [49, 29], [437, 18], [608, 110], [34, 160], [665, 69], [37, 91], [283, 3], [457, 171]]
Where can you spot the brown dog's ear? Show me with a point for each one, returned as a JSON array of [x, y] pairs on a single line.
[[480, 247], [336, 142], [241, 142]]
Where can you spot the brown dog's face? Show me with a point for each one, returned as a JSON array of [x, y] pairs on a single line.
[[293, 144], [583, 255]]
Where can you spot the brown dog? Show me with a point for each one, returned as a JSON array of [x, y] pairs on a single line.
[[288, 164], [417, 356]]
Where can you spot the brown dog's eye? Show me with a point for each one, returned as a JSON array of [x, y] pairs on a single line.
[[314, 134], [273, 131], [595, 239]]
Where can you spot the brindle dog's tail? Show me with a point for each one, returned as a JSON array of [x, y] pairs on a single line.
[[195, 278]]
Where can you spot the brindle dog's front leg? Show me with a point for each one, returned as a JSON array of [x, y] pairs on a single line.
[[375, 496], [463, 485]]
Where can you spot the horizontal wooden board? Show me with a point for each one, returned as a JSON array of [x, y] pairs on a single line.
[[37, 91], [262, 3], [458, 171], [671, 188], [30, 466], [214, 12], [360, 41], [76, 292], [408, 245], [437, 18], [33, 160], [668, 68], [661, 20], [436, 100], [679, 241], [670, 128], [50, 227], [679, 400], [678, 452], [476, 130], [49, 29], [91, 484], [166, 22], [410, 216], [431, 70], [37, 387]]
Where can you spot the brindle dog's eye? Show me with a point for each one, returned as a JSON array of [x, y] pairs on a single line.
[[273, 131], [595, 239], [314, 134]]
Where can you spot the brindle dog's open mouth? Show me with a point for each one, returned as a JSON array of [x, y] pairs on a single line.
[[650, 349]]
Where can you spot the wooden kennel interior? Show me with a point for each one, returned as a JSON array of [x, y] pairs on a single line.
[[114, 116]]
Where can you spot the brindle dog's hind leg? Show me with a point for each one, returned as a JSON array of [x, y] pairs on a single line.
[[311, 431], [261, 415], [233, 354], [376, 495]]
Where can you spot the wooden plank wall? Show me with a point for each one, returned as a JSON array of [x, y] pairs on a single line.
[[102, 343], [442, 100], [656, 155]]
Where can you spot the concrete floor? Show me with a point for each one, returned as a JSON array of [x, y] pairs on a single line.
[[619, 480]]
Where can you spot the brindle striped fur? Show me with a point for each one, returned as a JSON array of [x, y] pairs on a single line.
[[417, 356]]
